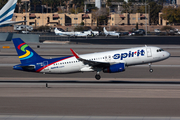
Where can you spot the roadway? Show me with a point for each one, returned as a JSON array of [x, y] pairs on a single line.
[[135, 92]]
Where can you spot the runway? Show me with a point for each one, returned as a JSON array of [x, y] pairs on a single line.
[[135, 72], [133, 93], [90, 99], [130, 93]]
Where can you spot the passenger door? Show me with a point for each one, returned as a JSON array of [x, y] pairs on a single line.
[[149, 53]]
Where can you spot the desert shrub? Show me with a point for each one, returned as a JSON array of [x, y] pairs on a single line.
[[95, 28], [117, 29], [43, 28], [81, 28], [166, 28]]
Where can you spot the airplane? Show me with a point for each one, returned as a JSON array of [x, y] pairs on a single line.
[[71, 34], [90, 32], [111, 33], [108, 62], [6, 14]]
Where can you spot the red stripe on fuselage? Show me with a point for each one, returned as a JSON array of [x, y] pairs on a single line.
[[51, 64]]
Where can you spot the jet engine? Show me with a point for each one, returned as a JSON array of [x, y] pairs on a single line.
[[115, 68]]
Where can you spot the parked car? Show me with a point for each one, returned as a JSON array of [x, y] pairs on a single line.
[[171, 32], [91, 33], [96, 33], [157, 30], [142, 31], [88, 32], [137, 32], [25, 32], [177, 32]]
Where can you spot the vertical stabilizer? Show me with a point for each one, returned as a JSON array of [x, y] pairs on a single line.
[[105, 31], [25, 53], [6, 13]]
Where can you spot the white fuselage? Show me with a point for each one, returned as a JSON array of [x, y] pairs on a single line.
[[78, 34], [133, 56], [111, 33]]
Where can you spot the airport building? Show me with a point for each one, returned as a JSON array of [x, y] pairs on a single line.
[[128, 19], [54, 19], [66, 19], [162, 21]]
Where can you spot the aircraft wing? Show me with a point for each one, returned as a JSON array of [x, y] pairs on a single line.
[[91, 63]]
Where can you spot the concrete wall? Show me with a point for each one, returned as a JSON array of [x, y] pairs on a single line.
[[29, 38], [143, 40]]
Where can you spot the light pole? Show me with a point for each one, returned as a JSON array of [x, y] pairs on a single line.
[[42, 14], [26, 15], [145, 17], [110, 19], [149, 15], [75, 16]]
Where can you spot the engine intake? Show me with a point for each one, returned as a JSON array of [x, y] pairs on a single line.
[[115, 68]]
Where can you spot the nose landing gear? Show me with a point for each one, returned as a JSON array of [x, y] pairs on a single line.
[[150, 69], [97, 76]]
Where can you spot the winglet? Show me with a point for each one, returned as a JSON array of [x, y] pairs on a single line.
[[74, 53]]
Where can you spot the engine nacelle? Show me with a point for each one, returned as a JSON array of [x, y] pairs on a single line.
[[115, 68]]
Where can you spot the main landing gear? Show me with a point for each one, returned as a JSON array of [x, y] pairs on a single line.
[[97, 76], [150, 69]]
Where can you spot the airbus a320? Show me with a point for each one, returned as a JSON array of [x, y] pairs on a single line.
[[108, 62]]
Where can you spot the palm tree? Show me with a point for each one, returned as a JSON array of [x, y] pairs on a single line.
[[35, 2], [67, 4], [3, 2], [52, 4], [127, 7], [19, 5], [45, 2], [108, 3]]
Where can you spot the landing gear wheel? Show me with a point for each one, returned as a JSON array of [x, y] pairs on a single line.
[[98, 77], [150, 70]]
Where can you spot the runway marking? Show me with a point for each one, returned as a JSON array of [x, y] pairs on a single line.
[[7, 117]]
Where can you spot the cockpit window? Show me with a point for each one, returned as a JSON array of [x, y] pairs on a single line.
[[159, 50]]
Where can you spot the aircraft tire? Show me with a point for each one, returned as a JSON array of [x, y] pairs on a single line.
[[98, 77], [150, 70]]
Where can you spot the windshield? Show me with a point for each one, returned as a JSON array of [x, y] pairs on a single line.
[[159, 50]]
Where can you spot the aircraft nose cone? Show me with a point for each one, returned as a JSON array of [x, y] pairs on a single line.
[[168, 54]]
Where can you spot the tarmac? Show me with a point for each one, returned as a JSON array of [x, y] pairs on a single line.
[[134, 94]]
